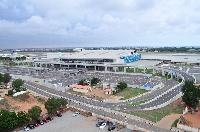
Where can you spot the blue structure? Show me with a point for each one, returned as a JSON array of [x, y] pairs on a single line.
[[132, 58]]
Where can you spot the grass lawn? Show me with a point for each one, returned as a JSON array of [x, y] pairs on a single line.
[[149, 70], [160, 75], [130, 69], [139, 70], [161, 112], [137, 103], [187, 65], [175, 123], [128, 93]]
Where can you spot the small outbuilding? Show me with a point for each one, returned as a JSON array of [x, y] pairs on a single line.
[[81, 88], [108, 91]]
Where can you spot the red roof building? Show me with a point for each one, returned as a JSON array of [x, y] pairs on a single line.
[[81, 88]]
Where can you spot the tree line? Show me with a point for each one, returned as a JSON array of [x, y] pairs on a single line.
[[11, 120]]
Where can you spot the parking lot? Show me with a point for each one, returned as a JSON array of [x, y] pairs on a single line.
[[67, 123], [58, 77]]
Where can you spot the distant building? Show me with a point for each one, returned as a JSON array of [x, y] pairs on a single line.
[[78, 49]]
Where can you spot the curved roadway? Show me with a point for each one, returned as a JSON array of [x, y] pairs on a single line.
[[101, 108]]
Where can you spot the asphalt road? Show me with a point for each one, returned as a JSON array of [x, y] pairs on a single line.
[[98, 108]]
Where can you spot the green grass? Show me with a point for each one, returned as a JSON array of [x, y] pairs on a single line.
[[137, 103], [187, 65], [130, 69], [175, 123], [139, 70], [149, 70], [128, 93], [41, 100], [160, 75], [161, 112]]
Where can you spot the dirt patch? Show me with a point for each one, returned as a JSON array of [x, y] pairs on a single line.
[[167, 121], [3, 92], [99, 93], [179, 102], [18, 105], [193, 120], [4, 104]]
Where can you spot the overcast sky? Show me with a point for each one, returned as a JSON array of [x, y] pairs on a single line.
[[67, 23]]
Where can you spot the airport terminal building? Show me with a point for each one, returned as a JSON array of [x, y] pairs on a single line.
[[110, 60], [103, 60]]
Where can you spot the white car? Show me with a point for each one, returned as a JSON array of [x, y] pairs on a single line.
[[75, 114], [102, 125], [25, 128]]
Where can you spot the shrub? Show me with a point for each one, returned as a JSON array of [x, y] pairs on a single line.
[[18, 90], [10, 92], [41, 100], [23, 89]]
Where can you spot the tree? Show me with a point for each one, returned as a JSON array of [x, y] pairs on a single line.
[[35, 112], [63, 102], [17, 83], [190, 94], [52, 105], [8, 120], [22, 118], [81, 82], [6, 78], [95, 80], [8, 64], [10, 92], [18, 90], [121, 86]]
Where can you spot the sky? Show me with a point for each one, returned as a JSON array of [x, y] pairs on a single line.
[[99, 23]]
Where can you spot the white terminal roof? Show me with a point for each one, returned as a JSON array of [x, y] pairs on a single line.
[[97, 54], [193, 58]]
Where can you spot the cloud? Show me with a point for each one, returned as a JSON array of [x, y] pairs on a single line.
[[94, 22]]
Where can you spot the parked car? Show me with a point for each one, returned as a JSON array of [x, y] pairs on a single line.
[[102, 125], [40, 122], [59, 115], [50, 118], [31, 126], [36, 124], [25, 128], [99, 123], [110, 128], [45, 120], [75, 114]]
